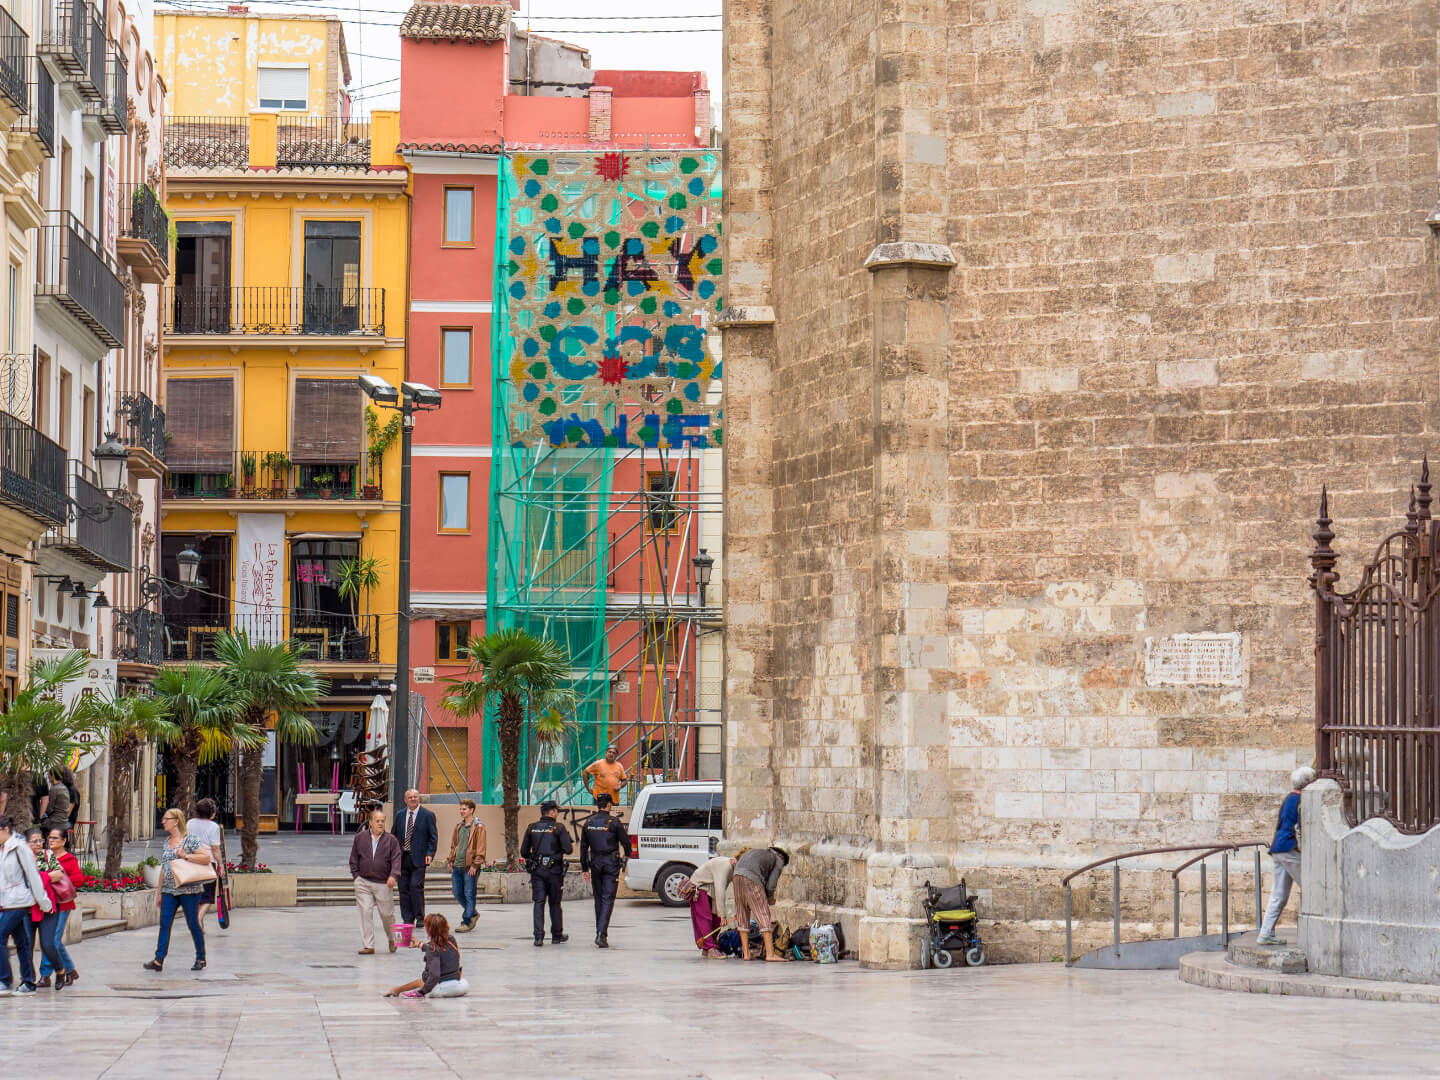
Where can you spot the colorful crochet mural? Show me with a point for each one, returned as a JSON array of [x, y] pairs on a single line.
[[614, 262]]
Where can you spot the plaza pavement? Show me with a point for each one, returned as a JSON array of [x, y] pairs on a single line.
[[286, 998]]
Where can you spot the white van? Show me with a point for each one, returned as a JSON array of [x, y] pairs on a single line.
[[673, 829]]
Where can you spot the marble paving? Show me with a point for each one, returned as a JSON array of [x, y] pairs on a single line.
[[287, 998]]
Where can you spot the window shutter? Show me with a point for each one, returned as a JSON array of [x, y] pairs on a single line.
[[200, 414], [327, 422]]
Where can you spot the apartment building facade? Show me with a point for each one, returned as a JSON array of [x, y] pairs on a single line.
[[291, 222]]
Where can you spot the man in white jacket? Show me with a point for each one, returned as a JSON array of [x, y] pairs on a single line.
[[20, 889]]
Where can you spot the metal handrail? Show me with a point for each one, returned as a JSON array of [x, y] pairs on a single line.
[[1205, 852]]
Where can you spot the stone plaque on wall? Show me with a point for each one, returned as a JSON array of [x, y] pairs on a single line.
[[1195, 660]]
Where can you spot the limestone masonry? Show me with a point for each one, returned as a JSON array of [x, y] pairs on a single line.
[[1048, 319]]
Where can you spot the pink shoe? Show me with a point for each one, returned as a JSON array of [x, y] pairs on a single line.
[[412, 994]]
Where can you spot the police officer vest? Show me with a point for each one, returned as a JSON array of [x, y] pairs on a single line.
[[547, 848], [600, 834]]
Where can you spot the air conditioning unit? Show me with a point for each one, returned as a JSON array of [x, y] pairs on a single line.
[[423, 674]]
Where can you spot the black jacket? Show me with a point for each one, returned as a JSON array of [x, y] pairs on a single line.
[[426, 837], [603, 835], [536, 843]]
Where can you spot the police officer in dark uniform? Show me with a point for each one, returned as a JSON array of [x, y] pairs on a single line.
[[603, 847], [544, 847]]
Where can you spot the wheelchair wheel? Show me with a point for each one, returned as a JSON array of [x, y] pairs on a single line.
[[975, 955], [924, 953], [943, 959]]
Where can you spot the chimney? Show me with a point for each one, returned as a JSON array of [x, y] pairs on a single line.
[[600, 99]]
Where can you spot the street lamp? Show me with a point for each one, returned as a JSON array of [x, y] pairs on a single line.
[[188, 562], [704, 564], [410, 398], [111, 458]]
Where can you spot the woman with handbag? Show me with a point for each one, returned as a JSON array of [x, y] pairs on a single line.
[[184, 869], [64, 882], [43, 920]]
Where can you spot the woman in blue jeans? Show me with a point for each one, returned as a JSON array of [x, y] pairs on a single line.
[[171, 895], [69, 866]]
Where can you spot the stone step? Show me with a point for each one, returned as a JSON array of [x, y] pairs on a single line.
[[1287, 959], [91, 928]]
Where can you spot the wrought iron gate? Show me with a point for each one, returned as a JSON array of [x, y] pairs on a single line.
[[1377, 671]]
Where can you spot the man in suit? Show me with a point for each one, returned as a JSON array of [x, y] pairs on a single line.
[[418, 835]]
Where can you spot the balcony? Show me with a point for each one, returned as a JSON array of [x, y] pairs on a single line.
[[275, 311], [70, 34], [207, 142], [32, 472], [100, 532], [144, 240], [76, 273], [14, 62], [270, 474], [328, 637], [142, 430], [38, 119], [108, 107], [139, 636]]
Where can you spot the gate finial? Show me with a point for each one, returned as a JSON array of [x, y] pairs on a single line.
[[1323, 558], [1424, 499], [1412, 515]]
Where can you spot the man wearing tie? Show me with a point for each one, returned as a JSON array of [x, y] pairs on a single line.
[[415, 829]]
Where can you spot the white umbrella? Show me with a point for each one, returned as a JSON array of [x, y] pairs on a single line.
[[378, 732]]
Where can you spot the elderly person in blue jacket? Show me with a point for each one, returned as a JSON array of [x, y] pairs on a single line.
[[1285, 851]]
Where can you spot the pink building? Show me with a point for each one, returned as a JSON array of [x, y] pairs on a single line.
[[525, 93]]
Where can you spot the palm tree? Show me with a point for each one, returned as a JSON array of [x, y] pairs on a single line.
[[38, 733], [129, 723], [205, 708], [523, 675], [270, 677]]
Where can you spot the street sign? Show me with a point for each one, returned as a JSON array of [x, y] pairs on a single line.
[[423, 674], [98, 678]]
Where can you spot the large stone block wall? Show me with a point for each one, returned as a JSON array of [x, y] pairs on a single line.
[[1193, 281]]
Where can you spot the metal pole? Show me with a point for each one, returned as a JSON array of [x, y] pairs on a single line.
[[400, 743], [1204, 913], [1115, 891], [1225, 897], [1177, 905], [1067, 925], [1257, 888]]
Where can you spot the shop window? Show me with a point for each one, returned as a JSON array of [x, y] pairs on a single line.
[[451, 641]]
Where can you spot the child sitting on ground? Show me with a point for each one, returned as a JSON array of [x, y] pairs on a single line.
[[442, 977]]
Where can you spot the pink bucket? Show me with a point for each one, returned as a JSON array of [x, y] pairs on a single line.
[[402, 932]]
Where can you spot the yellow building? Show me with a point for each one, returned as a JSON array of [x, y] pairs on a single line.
[[289, 283]]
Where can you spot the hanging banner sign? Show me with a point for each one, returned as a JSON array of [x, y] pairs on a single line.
[[259, 584]]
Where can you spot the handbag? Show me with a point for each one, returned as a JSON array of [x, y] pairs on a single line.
[[64, 889], [186, 872]]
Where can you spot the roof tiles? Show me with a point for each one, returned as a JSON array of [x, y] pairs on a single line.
[[456, 22]]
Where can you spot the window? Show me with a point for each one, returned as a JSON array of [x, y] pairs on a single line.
[[285, 88], [42, 392], [664, 517], [658, 755], [63, 437], [202, 277], [87, 433], [677, 810], [12, 317], [454, 502], [325, 447], [451, 641], [460, 216], [660, 643], [88, 214], [332, 277], [455, 356]]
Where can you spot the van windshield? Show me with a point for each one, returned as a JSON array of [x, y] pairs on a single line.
[[669, 810]]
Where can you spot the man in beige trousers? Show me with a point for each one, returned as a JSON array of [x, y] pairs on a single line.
[[375, 864]]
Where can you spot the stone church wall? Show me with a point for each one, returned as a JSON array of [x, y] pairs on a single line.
[[1048, 319]]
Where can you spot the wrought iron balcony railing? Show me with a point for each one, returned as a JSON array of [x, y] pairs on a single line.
[[144, 240], [65, 36], [270, 474], [274, 309], [14, 62], [38, 119], [207, 142], [32, 471], [327, 637], [140, 636], [101, 529], [321, 141], [108, 106], [81, 277], [143, 425]]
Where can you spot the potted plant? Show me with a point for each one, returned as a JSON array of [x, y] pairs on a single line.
[[169, 486], [248, 466], [227, 485], [278, 462], [381, 439], [150, 871], [355, 579], [326, 483]]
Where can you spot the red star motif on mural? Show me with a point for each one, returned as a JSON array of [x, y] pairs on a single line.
[[612, 370], [612, 166]]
